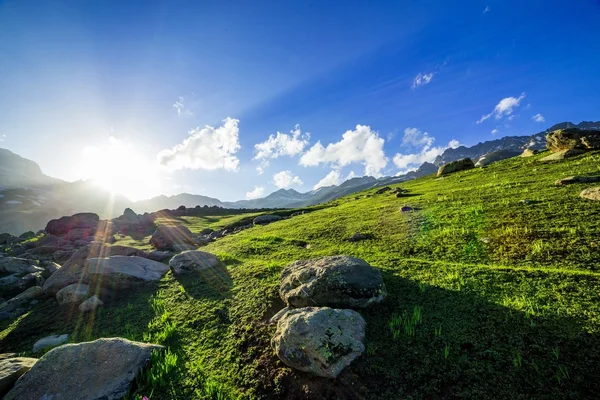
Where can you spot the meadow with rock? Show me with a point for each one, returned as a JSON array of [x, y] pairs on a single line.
[[477, 282]]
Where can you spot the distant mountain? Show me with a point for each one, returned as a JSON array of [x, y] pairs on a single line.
[[28, 198], [515, 143]]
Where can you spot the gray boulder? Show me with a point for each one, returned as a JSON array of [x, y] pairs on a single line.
[[455, 166], [90, 304], [169, 237], [73, 294], [11, 369], [193, 261], [21, 266], [591, 193], [7, 238], [21, 299], [322, 341], [50, 341], [266, 219], [121, 272], [335, 281], [63, 225], [98, 370]]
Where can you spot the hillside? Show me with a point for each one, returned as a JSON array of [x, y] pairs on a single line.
[[492, 281]]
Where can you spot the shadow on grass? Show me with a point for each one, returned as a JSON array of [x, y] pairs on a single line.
[[463, 347], [212, 283]]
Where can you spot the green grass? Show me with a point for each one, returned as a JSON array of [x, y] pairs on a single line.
[[488, 297]]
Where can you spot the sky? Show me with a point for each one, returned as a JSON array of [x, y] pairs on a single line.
[[237, 99]]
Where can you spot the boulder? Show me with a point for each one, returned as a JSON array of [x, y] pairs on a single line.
[[11, 369], [529, 153], [7, 238], [121, 272], [573, 138], [50, 341], [130, 215], [71, 270], [455, 166], [160, 256], [495, 156], [90, 304], [383, 190], [78, 234], [27, 235], [577, 179], [335, 281], [73, 294], [591, 193], [322, 341], [193, 261], [561, 155], [63, 225], [206, 231], [265, 219], [20, 266], [102, 369], [52, 267], [166, 237], [21, 299]]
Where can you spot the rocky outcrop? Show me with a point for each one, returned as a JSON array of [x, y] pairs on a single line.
[[455, 166], [121, 272], [322, 341], [171, 237], [573, 138], [102, 369], [591, 193], [193, 261], [562, 154], [20, 266], [529, 153], [9, 309], [63, 225], [336, 281], [11, 369], [74, 294], [266, 219]]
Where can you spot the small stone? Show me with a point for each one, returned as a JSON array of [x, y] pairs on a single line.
[[591, 193], [90, 304], [73, 294], [50, 341]]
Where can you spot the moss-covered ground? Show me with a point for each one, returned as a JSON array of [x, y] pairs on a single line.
[[490, 297]]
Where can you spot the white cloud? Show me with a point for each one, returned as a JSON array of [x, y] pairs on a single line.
[[206, 148], [332, 178], [504, 108], [538, 118], [181, 108], [426, 152], [258, 191], [422, 79], [2, 138], [494, 131], [285, 179], [486, 10], [361, 145], [351, 175], [282, 144]]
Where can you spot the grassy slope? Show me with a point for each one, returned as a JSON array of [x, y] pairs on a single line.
[[508, 295]]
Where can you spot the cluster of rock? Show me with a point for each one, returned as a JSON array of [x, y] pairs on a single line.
[[318, 331], [566, 143]]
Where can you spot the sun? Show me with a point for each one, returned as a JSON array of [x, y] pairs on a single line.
[[119, 168]]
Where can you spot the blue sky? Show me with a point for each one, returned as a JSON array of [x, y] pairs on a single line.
[[121, 91]]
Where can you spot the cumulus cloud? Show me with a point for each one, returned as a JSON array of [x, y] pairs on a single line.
[[361, 145], [422, 79], [258, 191], [538, 118], [332, 178], [282, 144], [504, 108], [206, 148], [494, 131], [286, 179], [422, 143], [351, 175]]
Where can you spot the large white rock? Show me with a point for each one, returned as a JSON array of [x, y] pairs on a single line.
[[193, 261], [122, 271]]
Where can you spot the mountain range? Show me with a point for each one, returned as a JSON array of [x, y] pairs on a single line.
[[29, 198]]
